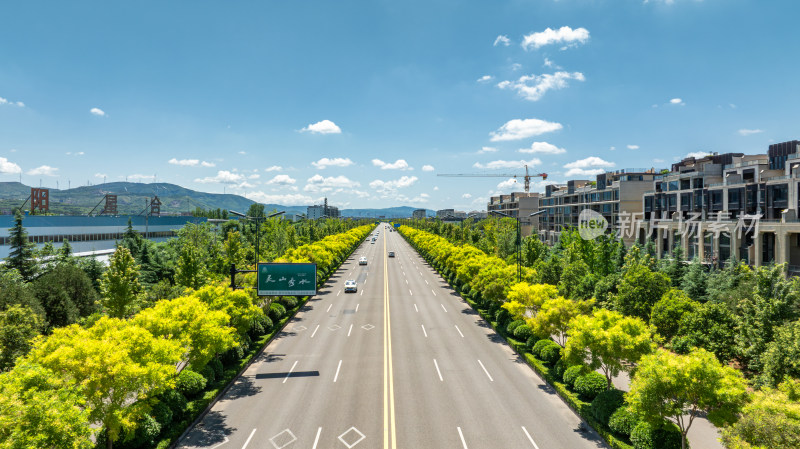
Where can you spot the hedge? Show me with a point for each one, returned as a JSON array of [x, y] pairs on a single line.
[[606, 403], [591, 384]]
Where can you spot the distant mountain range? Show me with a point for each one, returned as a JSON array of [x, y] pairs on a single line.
[[132, 199]]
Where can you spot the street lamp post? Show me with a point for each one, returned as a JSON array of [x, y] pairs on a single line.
[[519, 238], [258, 221]]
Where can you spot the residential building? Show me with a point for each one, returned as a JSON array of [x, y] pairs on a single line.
[[444, 213], [615, 195], [517, 204], [419, 214], [728, 206]]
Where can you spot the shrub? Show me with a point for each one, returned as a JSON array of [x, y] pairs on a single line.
[[276, 311], [233, 355], [190, 383], [537, 348], [591, 384], [656, 436], [559, 368], [514, 325], [523, 333], [216, 365], [606, 403], [162, 413], [552, 353], [175, 401], [572, 373], [531, 342], [256, 329], [622, 421], [289, 302], [145, 434], [208, 373], [502, 317]]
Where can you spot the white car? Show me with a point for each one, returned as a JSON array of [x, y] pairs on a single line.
[[350, 286], [362, 260]]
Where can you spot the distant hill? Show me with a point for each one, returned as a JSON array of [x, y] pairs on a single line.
[[132, 198]]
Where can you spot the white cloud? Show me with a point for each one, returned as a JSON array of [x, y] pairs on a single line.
[[659, 161], [516, 66], [289, 199], [45, 170], [698, 154], [208, 164], [243, 153], [466, 195], [254, 176], [5, 101], [274, 168], [589, 166], [612, 148], [98, 112], [79, 153], [185, 162], [565, 35], [633, 147], [282, 180], [7, 167], [427, 168], [323, 127], [393, 185], [507, 164], [508, 184], [533, 87], [435, 188], [523, 128], [485, 78], [399, 164], [591, 161], [485, 150], [549, 63], [677, 101], [319, 183], [424, 195], [543, 147], [100, 175], [140, 177], [223, 177], [502, 40], [747, 132], [335, 162]]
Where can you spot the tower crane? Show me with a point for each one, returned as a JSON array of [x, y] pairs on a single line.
[[527, 176]]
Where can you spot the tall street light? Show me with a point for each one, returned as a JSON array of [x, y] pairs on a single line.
[[519, 238], [258, 221]]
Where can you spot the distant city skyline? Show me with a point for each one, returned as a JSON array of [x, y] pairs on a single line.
[[366, 102]]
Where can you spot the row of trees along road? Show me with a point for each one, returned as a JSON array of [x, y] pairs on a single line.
[[697, 341], [81, 344]]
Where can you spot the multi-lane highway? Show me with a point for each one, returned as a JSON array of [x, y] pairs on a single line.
[[402, 363]]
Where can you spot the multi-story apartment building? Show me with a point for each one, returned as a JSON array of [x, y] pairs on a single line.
[[419, 214], [445, 213], [517, 204], [728, 205], [615, 195], [322, 211]]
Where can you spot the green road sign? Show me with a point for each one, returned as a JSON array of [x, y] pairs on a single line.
[[287, 279]]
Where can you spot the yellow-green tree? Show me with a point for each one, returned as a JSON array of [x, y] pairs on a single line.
[[120, 284], [555, 316], [682, 387], [115, 365], [608, 340], [525, 300], [770, 420]]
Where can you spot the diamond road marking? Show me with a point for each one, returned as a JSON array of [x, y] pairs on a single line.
[[335, 327], [368, 327], [289, 435], [300, 328], [352, 429]]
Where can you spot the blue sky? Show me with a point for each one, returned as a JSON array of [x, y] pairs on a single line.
[[365, 102]]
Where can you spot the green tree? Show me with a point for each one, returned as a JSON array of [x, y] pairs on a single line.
[[66, 294], [712, 327], [65, 253], [115, 364], [94, 269], [21, 254], [525, 300], [683, 387], [668, 312], [695, 281], [40, 409], [18, 326], [608, 340], [675, 267], [639, 289], [133, 240], [15, 291], [770, 420], [191, 268], [782, 358], [120, 284]]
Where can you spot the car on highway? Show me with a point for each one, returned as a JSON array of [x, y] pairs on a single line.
[[362, 260], [391, 253], [350, 286]]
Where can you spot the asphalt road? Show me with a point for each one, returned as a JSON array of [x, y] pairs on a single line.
[[402, 363]]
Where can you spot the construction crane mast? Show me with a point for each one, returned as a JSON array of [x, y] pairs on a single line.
[[527, 176]]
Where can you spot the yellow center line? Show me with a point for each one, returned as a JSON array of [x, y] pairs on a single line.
[[389, 431]]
